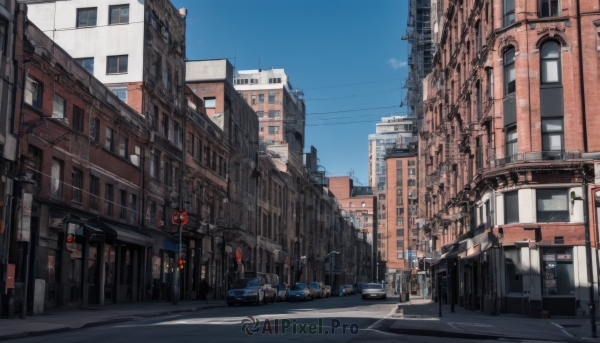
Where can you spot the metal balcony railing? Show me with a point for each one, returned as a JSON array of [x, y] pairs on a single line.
[[537, 156]]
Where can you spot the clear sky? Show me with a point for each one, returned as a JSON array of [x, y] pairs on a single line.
[[346, 55]]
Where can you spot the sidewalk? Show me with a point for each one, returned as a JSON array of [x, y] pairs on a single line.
[[420, 317], [65, 319]]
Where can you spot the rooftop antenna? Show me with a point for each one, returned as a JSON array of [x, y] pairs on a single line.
[[235, 56], [259, 65]]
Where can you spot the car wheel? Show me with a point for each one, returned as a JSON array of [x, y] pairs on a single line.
[[272, 300], [384, 297], [257, 299], [230, 304], [265, 299]]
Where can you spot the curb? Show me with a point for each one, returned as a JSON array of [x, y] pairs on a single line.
[[449, 334], [102, 323], [33, 333]]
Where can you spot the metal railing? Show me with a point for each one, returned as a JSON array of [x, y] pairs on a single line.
[[536, 156]]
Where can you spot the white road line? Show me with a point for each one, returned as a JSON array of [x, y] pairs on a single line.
[[380, 320], [562, 329]]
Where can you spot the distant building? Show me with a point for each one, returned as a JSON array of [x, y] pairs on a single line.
[[280, 109], [402, 204], [393, 132]]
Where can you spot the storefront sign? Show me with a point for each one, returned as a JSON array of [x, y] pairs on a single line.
[[549, 257], [564, 257]]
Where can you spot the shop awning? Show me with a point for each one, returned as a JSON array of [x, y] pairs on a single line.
[[85, 226], [116, 232]]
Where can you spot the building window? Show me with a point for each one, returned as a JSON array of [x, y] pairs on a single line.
[[272, 96], [168, 174], [478, 39], [117, 64], [95, 130], [109, 143], [3, 34], [57, 177], [399, 201], [165, 125], [550, 65], [511, 143], [399, 232], [86, 63], [399, 211], [381, 196], [86, 17], [78, 118], [399, 192], [273, 130], [400, 244], [412, 182], [77, 176], [558, 274], [411, 171], [509, 71], [152, 213], [94, 192], [120, 92], [511, 207], [154, 163], [274, 114], [261, 98], [108, 199], [153, 117], [123, 146], [210, 103], [400, 221], [400, 255], [552, 134], [58, 109], [34, 163], [177, 134], [190, 144], [549, 8], [552, 205], [132, 208], [490, 83], [33, 93], [119, 14], [122, 204], [514, 279], [260, 114], [509, 12]]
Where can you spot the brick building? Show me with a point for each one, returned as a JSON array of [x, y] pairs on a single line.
[[506, 141], [401, 200]]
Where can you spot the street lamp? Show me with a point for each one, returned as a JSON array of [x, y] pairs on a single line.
[[331, 267]]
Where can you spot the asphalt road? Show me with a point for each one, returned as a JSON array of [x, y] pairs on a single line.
[[337, 319]]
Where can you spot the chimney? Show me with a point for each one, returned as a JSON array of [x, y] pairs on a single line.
[[183, 12]]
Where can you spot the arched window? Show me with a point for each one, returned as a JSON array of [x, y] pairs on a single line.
[[509, 72], [510, 106], [551, 99]]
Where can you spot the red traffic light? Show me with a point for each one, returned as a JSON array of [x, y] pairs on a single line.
[[70, 238], [180, 263], [180, 217]]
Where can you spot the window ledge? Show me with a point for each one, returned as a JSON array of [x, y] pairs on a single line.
[[548, 19], [509, 27]]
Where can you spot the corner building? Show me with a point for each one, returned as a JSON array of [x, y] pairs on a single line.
[[509, 152]]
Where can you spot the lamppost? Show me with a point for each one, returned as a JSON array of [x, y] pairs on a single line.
[[331, 264]]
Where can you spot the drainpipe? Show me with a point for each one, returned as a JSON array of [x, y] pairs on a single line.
[[581, 80]]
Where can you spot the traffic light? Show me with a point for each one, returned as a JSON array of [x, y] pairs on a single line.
[[180, 263]]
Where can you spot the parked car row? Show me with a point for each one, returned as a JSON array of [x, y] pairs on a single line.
[[264, 288]]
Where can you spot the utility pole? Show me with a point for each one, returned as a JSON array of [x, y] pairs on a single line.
[[177, 257], [588, 252]]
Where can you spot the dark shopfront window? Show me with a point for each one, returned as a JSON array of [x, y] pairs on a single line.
[[514, 278], [558, 277]]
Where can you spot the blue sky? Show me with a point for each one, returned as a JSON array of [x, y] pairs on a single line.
[[348, 52]]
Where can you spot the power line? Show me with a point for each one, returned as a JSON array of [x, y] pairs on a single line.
[[360, 109], [344, 123], [381, 92], [351, 84]]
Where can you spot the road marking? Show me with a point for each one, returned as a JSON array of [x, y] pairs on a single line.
[[562, 329], [380, 320]]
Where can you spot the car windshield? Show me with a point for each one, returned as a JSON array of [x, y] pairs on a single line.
[[281, 288], [340, 287], [374, 285], [243, 283], [298, 287], [314, 285]]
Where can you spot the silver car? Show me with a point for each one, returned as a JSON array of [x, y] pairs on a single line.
[[374, 290]]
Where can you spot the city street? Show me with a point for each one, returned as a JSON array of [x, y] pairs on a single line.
[[224, 324], [336, 319]]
